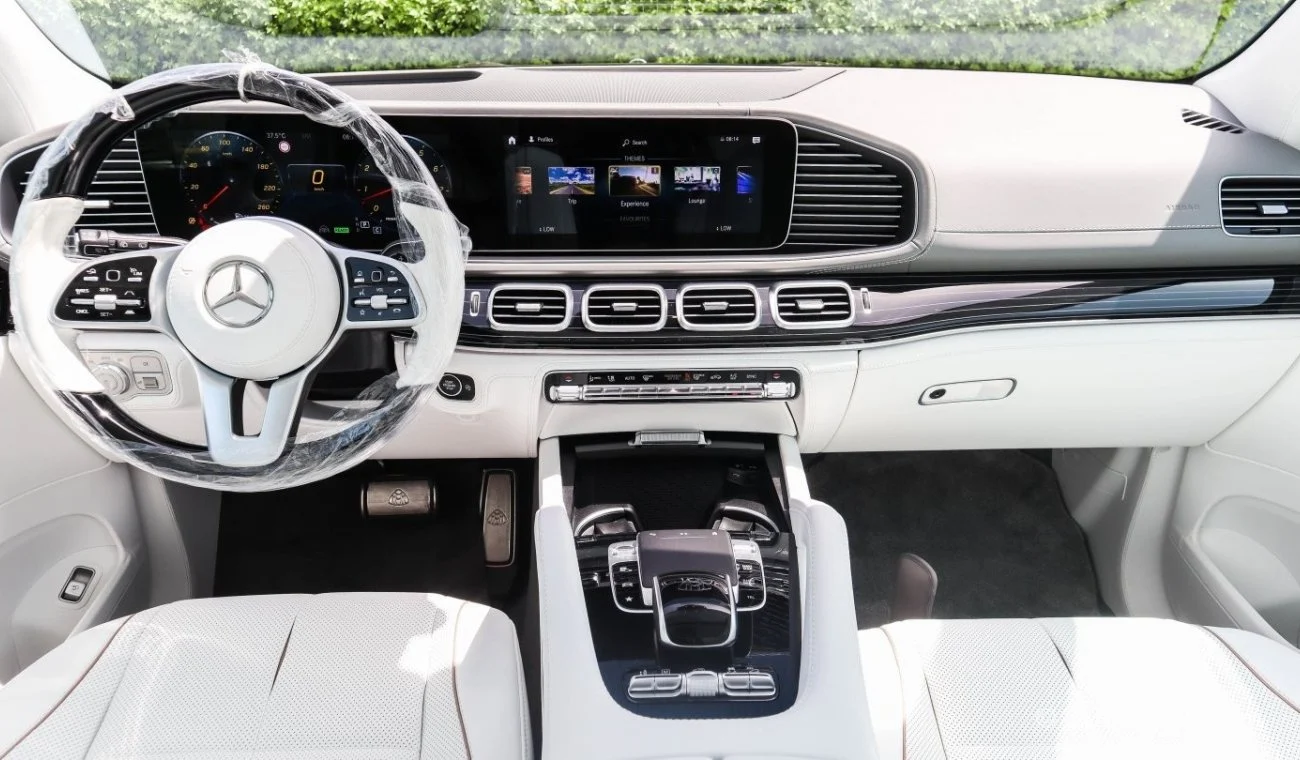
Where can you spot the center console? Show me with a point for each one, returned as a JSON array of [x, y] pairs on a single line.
[[689, 572], [694, 601]]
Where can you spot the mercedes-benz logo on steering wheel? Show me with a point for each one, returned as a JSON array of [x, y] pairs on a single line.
[[238, 294]]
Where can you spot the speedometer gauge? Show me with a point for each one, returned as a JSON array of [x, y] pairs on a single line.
[[376, 196], [226, 175]]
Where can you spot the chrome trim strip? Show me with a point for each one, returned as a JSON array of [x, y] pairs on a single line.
[[569, 355]]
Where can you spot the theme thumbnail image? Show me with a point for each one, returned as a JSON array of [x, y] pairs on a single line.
[[697, 179], [634, 179], [746, 182], [571, 180], [523, 180]]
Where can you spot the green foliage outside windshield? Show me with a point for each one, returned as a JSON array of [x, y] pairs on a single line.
[[1143, 39]]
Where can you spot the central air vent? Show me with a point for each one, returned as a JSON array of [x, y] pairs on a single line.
[[117, 199], [526, 307], [1260, 205], [1205, 121], [812, 305], [720, 306], [849, 196], [624, 308]]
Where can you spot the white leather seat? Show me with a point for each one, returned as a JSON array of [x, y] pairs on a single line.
[[1079, 688], [338, 675]]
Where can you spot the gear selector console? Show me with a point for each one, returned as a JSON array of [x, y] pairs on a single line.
[[694, 611]]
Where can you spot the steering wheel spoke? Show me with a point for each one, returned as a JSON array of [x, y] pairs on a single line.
[[123, 291], [223, 417]]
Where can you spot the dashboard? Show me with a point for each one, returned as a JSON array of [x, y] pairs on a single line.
[[520, 185], [863, 229]]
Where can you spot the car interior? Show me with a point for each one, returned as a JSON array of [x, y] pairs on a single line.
[[648, 410]]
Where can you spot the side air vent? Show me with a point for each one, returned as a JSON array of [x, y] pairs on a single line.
[[530, 308], [117, 199], [849, 196], [720, 306], [1260, 205], [624, 308], [813, 305], [1205, 121]]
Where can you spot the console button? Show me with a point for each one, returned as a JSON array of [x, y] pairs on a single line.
[[641, 685], [701, 684], [762, 685], [734, 683], [669, 683]]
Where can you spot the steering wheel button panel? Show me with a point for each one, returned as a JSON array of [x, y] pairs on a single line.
[[109, 291], [378, 292]]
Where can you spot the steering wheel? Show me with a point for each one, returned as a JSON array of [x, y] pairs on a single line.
[[253, 300]]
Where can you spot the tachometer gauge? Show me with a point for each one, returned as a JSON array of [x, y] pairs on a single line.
[[376, 196], [226, 175]]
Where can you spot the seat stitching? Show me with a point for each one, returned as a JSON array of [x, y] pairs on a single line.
[[1068, 670], [424, 693], [455, 680], [280, 663], [938, 729], [1258, 676], [126, 670], [902, 695], [68, 693]]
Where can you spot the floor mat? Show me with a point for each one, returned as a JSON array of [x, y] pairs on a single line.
[[313, 539], [992, 523]]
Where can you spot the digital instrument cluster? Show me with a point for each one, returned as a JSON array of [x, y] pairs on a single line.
[[520, 185]]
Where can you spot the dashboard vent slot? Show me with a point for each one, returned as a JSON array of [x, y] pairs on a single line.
[[722, 306], [1205, 121], [530, 308], [624, 308], [117, 199], [811, 305], [849, 196], [1260, 205]]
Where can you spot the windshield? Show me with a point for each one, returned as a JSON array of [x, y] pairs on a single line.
[[1137, 39]]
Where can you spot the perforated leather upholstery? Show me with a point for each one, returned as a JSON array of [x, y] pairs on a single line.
[[1079, 688], [337, 675]]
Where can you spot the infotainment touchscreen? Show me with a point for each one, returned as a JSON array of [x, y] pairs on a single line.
[[521, 185], [610, 184]]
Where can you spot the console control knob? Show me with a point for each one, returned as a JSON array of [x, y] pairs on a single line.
[[114, 379]]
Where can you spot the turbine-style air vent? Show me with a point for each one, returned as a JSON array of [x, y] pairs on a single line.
[[849, 196], [624, 308], [1260, 205], [812, 305], [1205, 121], [117, 199], [721, 306], [530, 308]]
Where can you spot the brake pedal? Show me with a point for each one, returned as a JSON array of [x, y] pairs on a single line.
[[392, 498]]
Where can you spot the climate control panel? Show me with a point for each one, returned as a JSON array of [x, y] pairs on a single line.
[[675, 385]]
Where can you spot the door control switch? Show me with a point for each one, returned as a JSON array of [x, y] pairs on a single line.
[[74, 589]]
